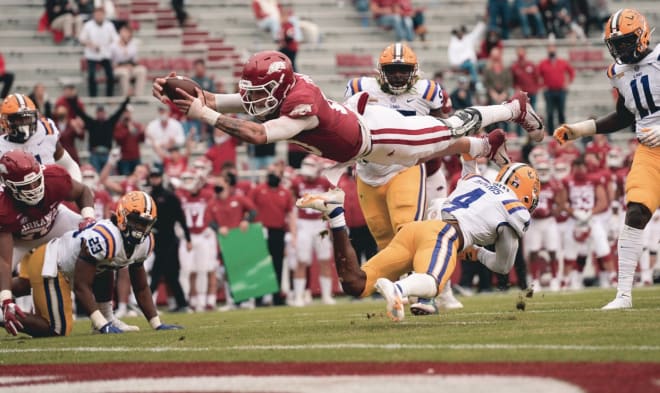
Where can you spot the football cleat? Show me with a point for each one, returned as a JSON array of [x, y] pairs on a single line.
[[497, 143], [424, 307], [392, 296], [123, 326], [446, 300], [324, 202], [524, 114], [620, 302], [471, 119]]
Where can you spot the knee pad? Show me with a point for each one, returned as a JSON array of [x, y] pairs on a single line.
[[637, 215]]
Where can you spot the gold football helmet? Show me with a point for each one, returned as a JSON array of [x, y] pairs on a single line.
[[627, 36], [397, 68], [523, 180]]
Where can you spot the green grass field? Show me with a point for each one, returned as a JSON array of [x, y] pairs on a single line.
[[554, 327]]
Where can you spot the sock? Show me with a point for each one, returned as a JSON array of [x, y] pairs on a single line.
[[630, 249], [299, 287], [106, 309], [121, 308], [418, 284], [326, 287], [201, 301], [479, 147], [493, 114], [211, 299], [229, 299], [171, 303]]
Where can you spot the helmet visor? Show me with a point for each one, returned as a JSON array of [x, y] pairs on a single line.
[[258, 100], [623, 47], [138, 227], [22, 125], [398, 76]]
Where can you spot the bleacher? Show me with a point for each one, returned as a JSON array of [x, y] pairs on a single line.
[[224, 33]]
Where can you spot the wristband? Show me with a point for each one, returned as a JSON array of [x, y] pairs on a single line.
[[87, 212], [5, 294], [155, 322], [209, 116], [583, 128], [337, 219], [98, 319]]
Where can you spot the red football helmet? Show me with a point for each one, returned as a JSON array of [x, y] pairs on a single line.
[[543, 170], [581, 232], [266, 80], [191, 181], [23, 176], [90, 177]]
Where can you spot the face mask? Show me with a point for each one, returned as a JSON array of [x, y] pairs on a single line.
[[218, 189], [552, 55], [231, 179], [219, 139], [273, 180]]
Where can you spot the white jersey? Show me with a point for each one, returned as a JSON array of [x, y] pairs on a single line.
[[481, 206], [105, 248], [639, 84], [41, 145], [424, 97]]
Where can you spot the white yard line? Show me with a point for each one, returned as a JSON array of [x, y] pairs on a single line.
[[476, 347]]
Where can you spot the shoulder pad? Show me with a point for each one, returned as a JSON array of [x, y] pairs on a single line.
[[431, 91]]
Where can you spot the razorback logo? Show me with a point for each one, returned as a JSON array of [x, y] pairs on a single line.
[[301, 110], [276, 66]]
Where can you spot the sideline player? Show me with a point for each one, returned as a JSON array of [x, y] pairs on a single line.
[[636, 77]]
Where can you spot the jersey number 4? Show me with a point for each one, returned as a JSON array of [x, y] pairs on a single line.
[[652, 108], [463, 201]]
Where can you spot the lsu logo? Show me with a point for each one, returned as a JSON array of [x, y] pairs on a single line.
[[276, 66]]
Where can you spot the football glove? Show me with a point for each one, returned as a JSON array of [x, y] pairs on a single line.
[[165, 326], [109, 328], [10, 311], [649, 137], [569, 132]]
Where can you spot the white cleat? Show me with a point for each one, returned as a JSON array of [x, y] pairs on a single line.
[[118, 323], [392, 296], [324, 202], [620, 302], [524, 114], [446, 300]]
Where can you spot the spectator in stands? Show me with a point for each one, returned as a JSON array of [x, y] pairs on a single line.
[[85, 9], [201, 129], [498, 81], [557, 74], [290, 36], [492, 40], [222, 150], [97, 36], [164, 132], [175, 160], [267, 15], [180, 10], [362, 7], [7, 78], [461, 50], [413, 19], [124, 53], [461, 97], [61, 16], [129, 134], [526, 10], [558, 20], [101, 131], [70, 130], [499, 14], [68, 91], [40, 99], [274, 204], [386, 14], [525, 77]]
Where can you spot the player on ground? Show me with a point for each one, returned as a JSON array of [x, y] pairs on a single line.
[[473, 215], [294, 108], [25, 129], [31, 214], [73, 260], [636, 76]]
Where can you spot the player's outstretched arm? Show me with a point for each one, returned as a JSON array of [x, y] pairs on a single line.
[[607, 124], [501, 261]]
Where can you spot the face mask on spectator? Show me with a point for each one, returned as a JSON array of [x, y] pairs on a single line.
[[218, 189], [273, 180], [231, 179]]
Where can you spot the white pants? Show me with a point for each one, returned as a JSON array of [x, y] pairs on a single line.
[[436, 185], [597, 240], [542, 235], [652, 233], [203, 257], [310, 242]]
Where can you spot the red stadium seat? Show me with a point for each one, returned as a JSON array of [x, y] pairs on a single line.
[[588, 59], [351, 65]]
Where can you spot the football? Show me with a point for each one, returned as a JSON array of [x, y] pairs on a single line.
[[184, 83]]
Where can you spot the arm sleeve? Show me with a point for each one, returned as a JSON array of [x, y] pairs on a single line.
[[284, 127], [501, 261], [228, 103]]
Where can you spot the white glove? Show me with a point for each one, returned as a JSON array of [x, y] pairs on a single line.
[[650, 136], [582, 216]]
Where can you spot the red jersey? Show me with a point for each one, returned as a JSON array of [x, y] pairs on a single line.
[[229, 212], [194, 208], [338, 135], [273, 205], [581, 193], [33, 222], [102, 202], [600, 150], [352, 210], [547, 198], [301, 186], [175, 168], [222, 151]]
